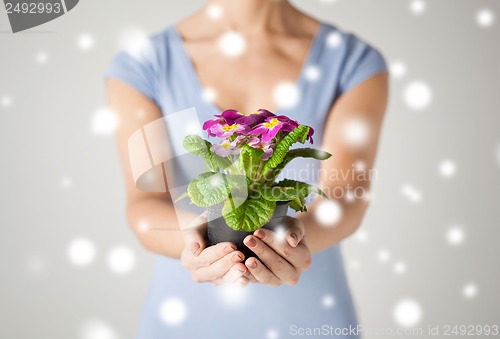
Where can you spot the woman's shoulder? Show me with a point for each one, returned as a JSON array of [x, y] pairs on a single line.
[[352, 58], [340, 38]]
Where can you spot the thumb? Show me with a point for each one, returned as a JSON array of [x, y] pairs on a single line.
[[194, 235]]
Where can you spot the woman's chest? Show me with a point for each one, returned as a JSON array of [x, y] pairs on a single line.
[[251, 80]]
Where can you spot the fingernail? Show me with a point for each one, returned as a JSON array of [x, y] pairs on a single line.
[[251, 242], [295, 239], [195, 247], [253, 264], [229, 249], [237, 258], [260, 233], [242, 269]]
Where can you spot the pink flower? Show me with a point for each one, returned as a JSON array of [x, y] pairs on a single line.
[[234, 116], [259, 144], [209, 124], [225, 148], [225, 130], [288, 124], [270, 128], [310, 134]]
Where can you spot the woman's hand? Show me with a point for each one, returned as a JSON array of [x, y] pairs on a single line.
[[218, 264], [283, 257]]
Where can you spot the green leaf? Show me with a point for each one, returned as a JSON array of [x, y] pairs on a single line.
[[182, 196], [299, 204], [251, 215], [277, 193], [272, 174], [204, 195], [282, 147], [303, 186], [250, 159], [213, 188], [306, 153], [198, 146]]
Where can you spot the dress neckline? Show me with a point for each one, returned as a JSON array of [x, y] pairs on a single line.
[[199, 87]]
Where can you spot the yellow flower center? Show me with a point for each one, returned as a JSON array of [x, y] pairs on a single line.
[[230, 127], [248, 114], [273, 123]]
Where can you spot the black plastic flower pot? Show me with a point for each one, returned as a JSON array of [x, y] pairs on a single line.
[[218, 230]]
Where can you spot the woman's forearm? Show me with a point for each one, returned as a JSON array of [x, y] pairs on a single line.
[[155, 223], [319, 237]]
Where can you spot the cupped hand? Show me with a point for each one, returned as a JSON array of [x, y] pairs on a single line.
[[283, 255], [217, 264]]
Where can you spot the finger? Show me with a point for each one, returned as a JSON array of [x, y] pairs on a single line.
[[295, 232], [242, 281], [294, 255], [261, 273], [235, 273], [220, 268], [194, 235], [211, 254], [275, 262], [250, 277]]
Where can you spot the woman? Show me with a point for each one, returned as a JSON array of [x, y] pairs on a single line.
[[340, 79]]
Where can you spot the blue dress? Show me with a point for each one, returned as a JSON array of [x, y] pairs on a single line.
[[321, 302]]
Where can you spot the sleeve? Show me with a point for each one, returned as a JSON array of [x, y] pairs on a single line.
[[139, 73], [362, 62]]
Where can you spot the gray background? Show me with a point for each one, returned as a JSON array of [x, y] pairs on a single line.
[[60, 181]]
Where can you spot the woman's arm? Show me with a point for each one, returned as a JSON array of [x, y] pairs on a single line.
[[285, 261], [150, 215], [366, 104]]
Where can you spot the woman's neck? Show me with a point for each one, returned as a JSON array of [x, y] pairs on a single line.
[[253, 15]]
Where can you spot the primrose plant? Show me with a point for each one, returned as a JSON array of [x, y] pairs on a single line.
[[244, 166]]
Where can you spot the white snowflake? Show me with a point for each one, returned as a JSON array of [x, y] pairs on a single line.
[[447, 168], [232, 44], [410, 192], [407, 313], [286, 95], [97, 329], [104, 121], [233, 295], [136, 43], [6, 101], [173, 311], [418, 7], [214, 12], [209, 94], [328, 301], [121, 260], [328, 212], [356, 132], [397, 69], [400, 268], [66, 182], [81, 252], [85, 42], [334, 39], [384, 255], [485, 18], [361, 236], [418, 95], [272, 334], [42, 58], [455, 235], [469, 291], [312, 73]]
